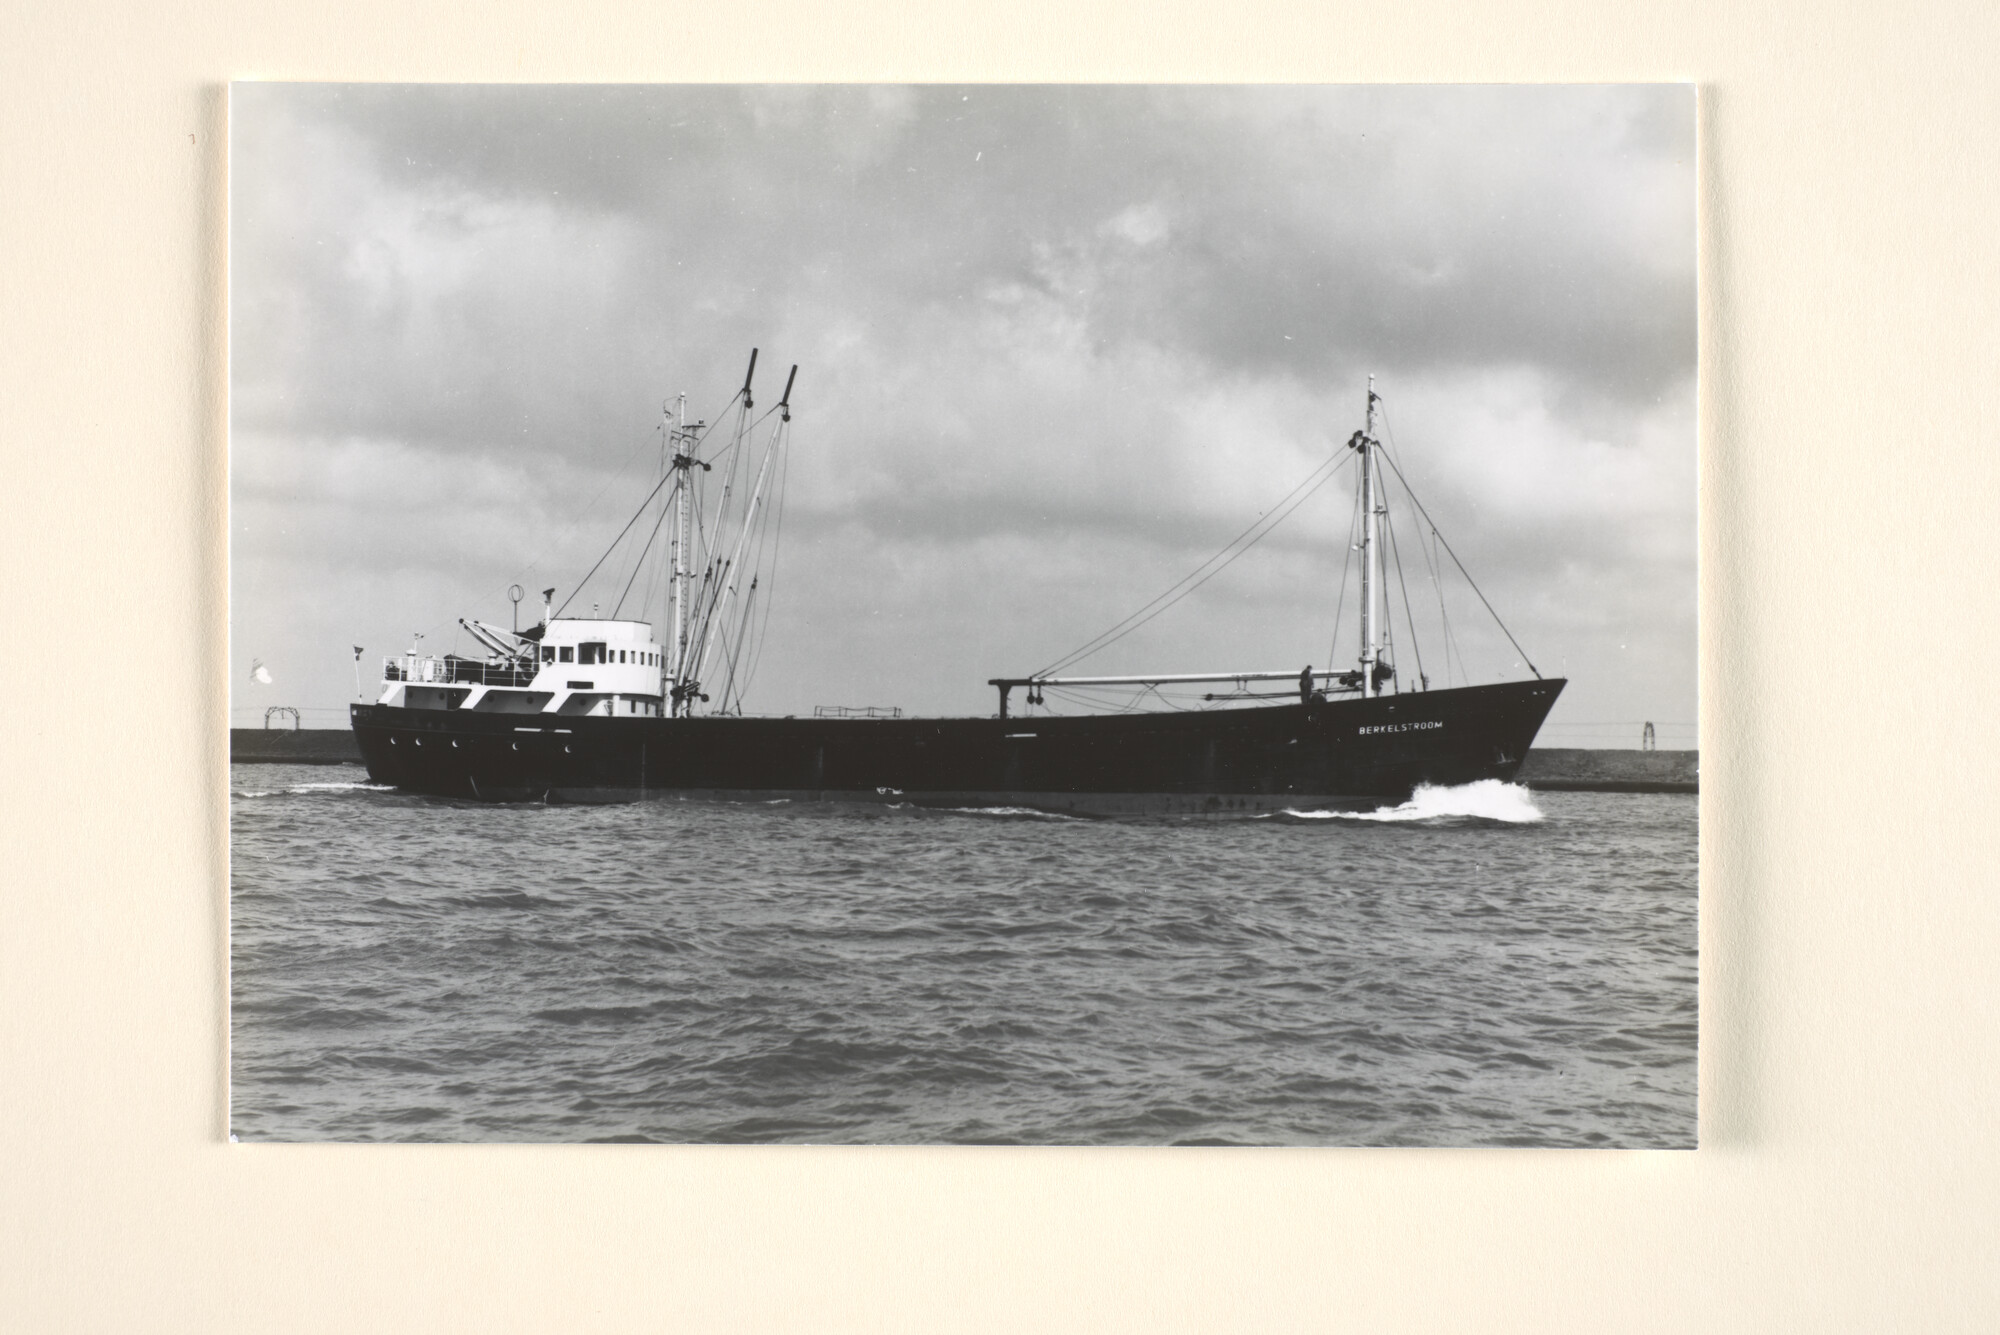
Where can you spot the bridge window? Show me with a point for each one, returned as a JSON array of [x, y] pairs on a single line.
[[566, 654], [548, 653]]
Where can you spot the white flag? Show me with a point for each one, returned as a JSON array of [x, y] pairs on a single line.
[[258, 672]]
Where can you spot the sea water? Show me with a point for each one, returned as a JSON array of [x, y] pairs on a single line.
[[1478, 966]]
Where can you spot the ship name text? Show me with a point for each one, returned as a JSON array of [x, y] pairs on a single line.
[[1413, 726]]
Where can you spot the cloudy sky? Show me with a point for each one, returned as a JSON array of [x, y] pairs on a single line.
[[1057, 347]]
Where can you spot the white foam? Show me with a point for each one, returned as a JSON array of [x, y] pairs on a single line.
[[341, 788], [1010, 811], [1488, 799]]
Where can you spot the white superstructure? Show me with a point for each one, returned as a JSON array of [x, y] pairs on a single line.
[[567, 665]]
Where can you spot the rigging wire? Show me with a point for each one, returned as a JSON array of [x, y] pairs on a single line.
[[1430, 568], [705, 557], [1409, 612], [717, 632], [1411, 492], [640, 564], [715, 569], [744, 428], [619, 572], [652, 582], [1409, 617], [777, 546], [614, 544], [1389, 638], [735, 650], [1126, 700], [1319, 477], [527, 576], [636, 515], [1353, 524], [761, 516], [691, 638], [1450, 640], [1434, 565]]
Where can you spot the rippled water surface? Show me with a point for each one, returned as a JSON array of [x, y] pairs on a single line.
[[1481, 967]]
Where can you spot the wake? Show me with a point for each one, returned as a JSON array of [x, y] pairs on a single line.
[[300, 789], [1487, 799], [1006, 813]]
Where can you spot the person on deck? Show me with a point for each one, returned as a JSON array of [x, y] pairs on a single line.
[[1306, 685]]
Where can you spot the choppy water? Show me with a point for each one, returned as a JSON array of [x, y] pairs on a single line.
[[1480, 967]]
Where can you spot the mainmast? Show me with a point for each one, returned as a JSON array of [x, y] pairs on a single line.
[[681, 435], [1371, 649], [676, 438]]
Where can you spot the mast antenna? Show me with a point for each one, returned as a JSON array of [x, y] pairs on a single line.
[[747, 377], [785, 404]]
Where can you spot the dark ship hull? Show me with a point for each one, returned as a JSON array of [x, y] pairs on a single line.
[[1343, 752]]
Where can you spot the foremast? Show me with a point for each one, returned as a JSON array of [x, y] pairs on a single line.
[[1371, 582], [1375, 670]]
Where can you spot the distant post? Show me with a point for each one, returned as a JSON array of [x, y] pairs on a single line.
[[1646, 739]]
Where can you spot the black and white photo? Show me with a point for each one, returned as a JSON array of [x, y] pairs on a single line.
[[1000, 614]]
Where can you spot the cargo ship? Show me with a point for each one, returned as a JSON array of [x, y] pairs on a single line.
[[601, 709]]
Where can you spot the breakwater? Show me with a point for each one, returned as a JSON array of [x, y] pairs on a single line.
[[1576, 770], [282, 746], [1549, 769]]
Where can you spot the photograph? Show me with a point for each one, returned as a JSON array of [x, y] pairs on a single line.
[[1076, 615]]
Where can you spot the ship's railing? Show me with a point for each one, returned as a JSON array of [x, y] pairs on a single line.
[[857, 711], [451, 670]]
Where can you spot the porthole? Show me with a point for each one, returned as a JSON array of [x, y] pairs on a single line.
[[420, 741], [517, 746], [392, 741], [454, 743], [565, 748]]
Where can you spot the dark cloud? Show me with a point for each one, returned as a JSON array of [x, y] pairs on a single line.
[[1043, 331], [1305, 231]]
